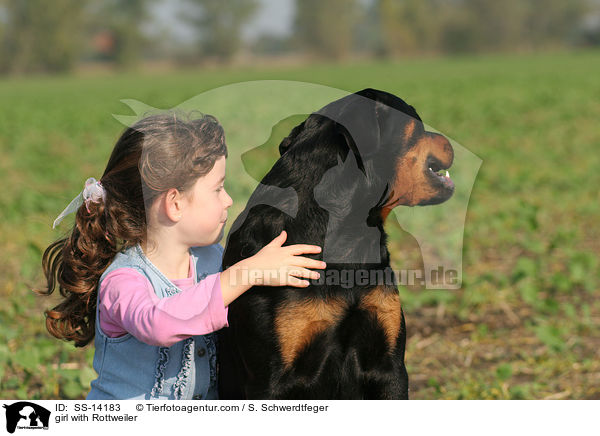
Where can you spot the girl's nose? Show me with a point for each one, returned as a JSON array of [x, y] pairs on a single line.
[[229, 201]]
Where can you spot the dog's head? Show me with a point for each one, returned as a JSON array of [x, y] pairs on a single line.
[[398, 157]]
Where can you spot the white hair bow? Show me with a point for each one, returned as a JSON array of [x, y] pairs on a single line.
[[93, 191]]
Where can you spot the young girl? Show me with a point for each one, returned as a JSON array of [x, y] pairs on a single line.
[[141, 270]]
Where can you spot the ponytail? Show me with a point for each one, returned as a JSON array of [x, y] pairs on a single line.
[[74, 266]]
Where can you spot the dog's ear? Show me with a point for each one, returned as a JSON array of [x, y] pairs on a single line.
[[371, 119], [391, 101], [359, 119], [288, 140], [287, 125]]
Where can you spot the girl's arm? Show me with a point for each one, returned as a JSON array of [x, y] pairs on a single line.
[[127, 303]]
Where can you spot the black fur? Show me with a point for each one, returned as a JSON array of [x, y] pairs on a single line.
[[351, 360]]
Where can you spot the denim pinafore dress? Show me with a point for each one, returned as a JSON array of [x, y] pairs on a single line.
[[130, 369]]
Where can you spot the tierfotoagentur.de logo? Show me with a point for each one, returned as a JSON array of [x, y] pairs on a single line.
[[26, 416]]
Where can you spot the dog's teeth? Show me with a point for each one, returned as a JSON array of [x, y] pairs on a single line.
[[447, 174]]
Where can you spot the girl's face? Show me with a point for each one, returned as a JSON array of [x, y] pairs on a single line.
[[203, 218]]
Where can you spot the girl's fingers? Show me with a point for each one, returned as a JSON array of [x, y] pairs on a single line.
[[307, 262], [279, 240], [303, 272], [294, 281], [303, 248]]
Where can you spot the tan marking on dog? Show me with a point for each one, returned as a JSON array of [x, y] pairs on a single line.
[[409, 129], [387, 308], [411, 186], [299, 322]]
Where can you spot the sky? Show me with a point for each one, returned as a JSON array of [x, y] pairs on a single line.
[[273, 17]]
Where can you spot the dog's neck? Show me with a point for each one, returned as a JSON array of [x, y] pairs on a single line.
[[350, 242]]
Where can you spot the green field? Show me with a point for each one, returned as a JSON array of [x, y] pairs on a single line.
[[526, 323]]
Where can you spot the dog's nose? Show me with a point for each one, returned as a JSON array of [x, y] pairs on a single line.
[[446, 151]]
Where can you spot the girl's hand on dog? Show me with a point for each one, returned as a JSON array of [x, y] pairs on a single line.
[[282, 266], [274, 265]]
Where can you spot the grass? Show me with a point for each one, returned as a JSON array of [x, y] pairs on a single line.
[[526, 322]]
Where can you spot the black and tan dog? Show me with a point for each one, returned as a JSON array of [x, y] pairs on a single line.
[[340, 173]]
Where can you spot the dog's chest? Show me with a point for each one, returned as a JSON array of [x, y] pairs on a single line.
[[297, 323]]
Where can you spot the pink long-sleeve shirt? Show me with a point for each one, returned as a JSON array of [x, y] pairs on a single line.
[[128, 304]]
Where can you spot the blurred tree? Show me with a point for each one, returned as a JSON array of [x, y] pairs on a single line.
[[518, 24], [41, 37], [219, 24], [410, 26], [552, 22], [589, 31], [494, 25], [271, 45], [368, 36], [3, 21], [119, 24], [457, 34], [326, 28], [407, 26]]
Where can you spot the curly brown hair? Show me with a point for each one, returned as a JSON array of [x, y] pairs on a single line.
[[159, 152]]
